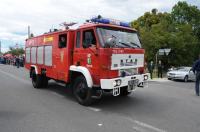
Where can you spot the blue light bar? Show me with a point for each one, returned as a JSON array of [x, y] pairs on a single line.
[[99, 19]]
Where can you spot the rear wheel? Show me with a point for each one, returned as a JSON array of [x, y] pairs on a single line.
[[82, 92], [45, 81], [36, 79]]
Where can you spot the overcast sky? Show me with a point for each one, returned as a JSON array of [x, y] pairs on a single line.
[[41, 15]]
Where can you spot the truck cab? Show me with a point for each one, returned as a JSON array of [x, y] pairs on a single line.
[[113, 56]]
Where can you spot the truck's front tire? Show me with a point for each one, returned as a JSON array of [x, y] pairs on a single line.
[[36, 80], [82, 92]]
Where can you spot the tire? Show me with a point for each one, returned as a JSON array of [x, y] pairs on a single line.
[[45, 81], [186, 78], [82, 92], [36, 80], [124, 91]]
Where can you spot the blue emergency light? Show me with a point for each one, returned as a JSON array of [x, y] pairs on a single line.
[[100, 19]]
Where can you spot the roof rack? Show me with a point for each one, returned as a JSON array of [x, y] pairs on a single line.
[[67, 25]]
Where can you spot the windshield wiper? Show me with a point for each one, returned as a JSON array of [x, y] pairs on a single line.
[[125, 44], [135, 44]]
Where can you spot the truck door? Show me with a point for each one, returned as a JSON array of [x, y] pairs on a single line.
[[61, 57], [86, 51]]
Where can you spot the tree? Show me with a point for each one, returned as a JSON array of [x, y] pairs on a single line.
[[177, 31], [16, 51]]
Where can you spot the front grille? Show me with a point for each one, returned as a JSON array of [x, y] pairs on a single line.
[[128, 72]]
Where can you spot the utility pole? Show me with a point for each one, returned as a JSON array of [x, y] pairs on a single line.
[[28, 31]]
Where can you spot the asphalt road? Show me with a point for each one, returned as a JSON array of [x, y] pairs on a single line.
[[164, 106]]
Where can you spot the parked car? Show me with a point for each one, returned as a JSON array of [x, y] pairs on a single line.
[[181, 73]]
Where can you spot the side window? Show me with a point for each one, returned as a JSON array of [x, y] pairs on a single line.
[[62, 41], [89, 38], [28, 53], [78, 36]]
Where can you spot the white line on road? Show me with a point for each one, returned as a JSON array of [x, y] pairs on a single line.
[[15, 77], [94, 109], [145, 125], [148, 126]]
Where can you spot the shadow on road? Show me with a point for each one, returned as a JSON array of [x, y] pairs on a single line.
[[140, 102], [60, 90]]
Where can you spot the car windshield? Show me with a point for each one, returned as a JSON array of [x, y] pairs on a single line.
[[183, 69], [124, 38]]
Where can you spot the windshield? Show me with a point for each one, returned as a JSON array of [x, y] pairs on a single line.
[[183, 69], [124, 38]]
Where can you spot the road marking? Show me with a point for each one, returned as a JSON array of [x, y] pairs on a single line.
[[148, 126], [144, 125], [94, 109], [100, 124], [15, 77]]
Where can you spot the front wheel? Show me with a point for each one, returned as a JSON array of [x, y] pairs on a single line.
[[82, 92], [36, 80], [186, 78]]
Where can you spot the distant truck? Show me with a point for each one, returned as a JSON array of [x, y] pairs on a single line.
[[102, 55]]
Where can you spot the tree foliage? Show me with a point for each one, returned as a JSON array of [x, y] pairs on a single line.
[[178, 30], [15, 51]]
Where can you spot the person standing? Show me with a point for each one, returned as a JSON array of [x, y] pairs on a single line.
[[196, 70], [160, 69], [150, 68], [17, 61]]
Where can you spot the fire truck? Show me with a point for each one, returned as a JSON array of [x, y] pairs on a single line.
[[102, 55]]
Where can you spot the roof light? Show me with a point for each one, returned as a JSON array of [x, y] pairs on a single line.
[[100, 19]]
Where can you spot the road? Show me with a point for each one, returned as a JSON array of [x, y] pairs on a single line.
[[165, 106]]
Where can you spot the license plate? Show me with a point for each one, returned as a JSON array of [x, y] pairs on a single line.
[[132, 84]]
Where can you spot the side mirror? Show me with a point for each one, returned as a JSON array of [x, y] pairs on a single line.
[[110, 42]]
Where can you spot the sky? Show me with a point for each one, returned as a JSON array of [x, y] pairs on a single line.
[[42, 15]]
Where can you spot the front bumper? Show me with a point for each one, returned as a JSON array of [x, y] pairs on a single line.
[[141, 81]]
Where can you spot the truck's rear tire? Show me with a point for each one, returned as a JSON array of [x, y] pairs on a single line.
[[45, 81], [124, 91], [36, 80], [82, 92]]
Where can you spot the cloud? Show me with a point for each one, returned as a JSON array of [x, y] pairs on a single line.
[[41, 15]]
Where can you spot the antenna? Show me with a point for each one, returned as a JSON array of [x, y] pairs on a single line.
[[67, 25]]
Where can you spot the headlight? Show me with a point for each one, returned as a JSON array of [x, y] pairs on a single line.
[[117, 82], [114, 83], [145, 77]]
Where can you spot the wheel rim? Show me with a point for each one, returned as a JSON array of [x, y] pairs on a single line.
[[186, 79], [81, 91]]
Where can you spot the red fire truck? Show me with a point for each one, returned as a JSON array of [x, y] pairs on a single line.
[[102, 55]]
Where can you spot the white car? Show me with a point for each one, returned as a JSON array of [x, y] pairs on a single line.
[[181, 73]]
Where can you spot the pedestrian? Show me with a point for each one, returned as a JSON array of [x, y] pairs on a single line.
[[17, 61], [150, 68], [196, 70], [160, 69]]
